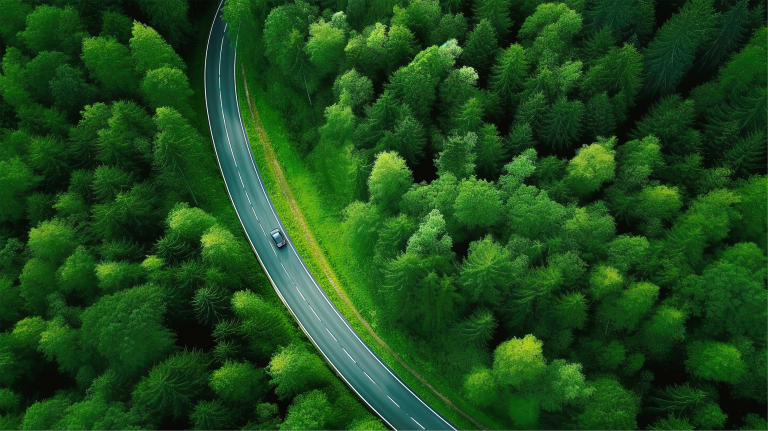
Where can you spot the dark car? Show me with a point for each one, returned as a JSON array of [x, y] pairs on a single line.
[[278, 237]]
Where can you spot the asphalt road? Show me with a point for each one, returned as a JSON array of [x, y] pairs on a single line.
[[361, 369]]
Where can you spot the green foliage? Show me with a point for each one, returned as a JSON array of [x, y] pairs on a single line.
[[172, 386], [211, 415], [486, 272], [571, 310], [716, 361], [478, 203], [38, 280], [671, 53], [635, 302], [672, 423], [126, 328], [285, 30], [310, 410], [295, 370], [509, 72], [420, 16], [496, 12], [458, 156], [592, 166], [564, 384], [41, 70], [664, 329], [353, 89], [734, 300], [150, 51], [482, 45], [45, 414], [238, 382], [438, 302], [481, 387], [389, 180], [479, 328], [51, 28], [362, 221], [52, 241], [325, 46], [16, 179], [431, 238], [611, 407], [519, 362], [110, 64], [262, 324], [166, 87], [709, 416], [563, 123], [169, 17]]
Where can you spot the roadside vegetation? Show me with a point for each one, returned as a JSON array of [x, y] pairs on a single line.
[[556, 212], [129, 297]]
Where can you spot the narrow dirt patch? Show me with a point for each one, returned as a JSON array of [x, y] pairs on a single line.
[[274, 167]]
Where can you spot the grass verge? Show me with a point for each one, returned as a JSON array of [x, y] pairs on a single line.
[[302, 208]]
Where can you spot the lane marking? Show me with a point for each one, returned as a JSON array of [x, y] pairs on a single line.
[[369, 378], [302, 295], [350, 356], [393, 401], [417, 422], [329, 332], [313, 312]]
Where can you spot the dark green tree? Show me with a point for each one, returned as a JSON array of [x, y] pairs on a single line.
[[173, 385], [671, 53], [126, 329], [481, 48], [50, 28], [169, 17], [497, 14], [41, 70]]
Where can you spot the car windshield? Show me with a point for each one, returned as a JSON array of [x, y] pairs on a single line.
[[277, 237]]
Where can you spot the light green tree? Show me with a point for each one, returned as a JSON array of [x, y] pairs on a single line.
[[238, 382], [389, 180], [481, 387], [325, 46], [149, 51], [309, 410], [593, 166], [716, 361], [519, 362], [295, 370], [110, 64], [167, 87]]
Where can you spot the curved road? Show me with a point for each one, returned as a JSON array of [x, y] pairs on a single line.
[[360, 368]]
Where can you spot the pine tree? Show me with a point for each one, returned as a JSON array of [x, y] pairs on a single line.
[[509, 73], [481, 48], [563, 123], [171, 387], [497, 14], [670, 55], [730, 30]]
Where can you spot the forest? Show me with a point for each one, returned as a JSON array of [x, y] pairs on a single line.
[[129, 297], [565, 202]]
